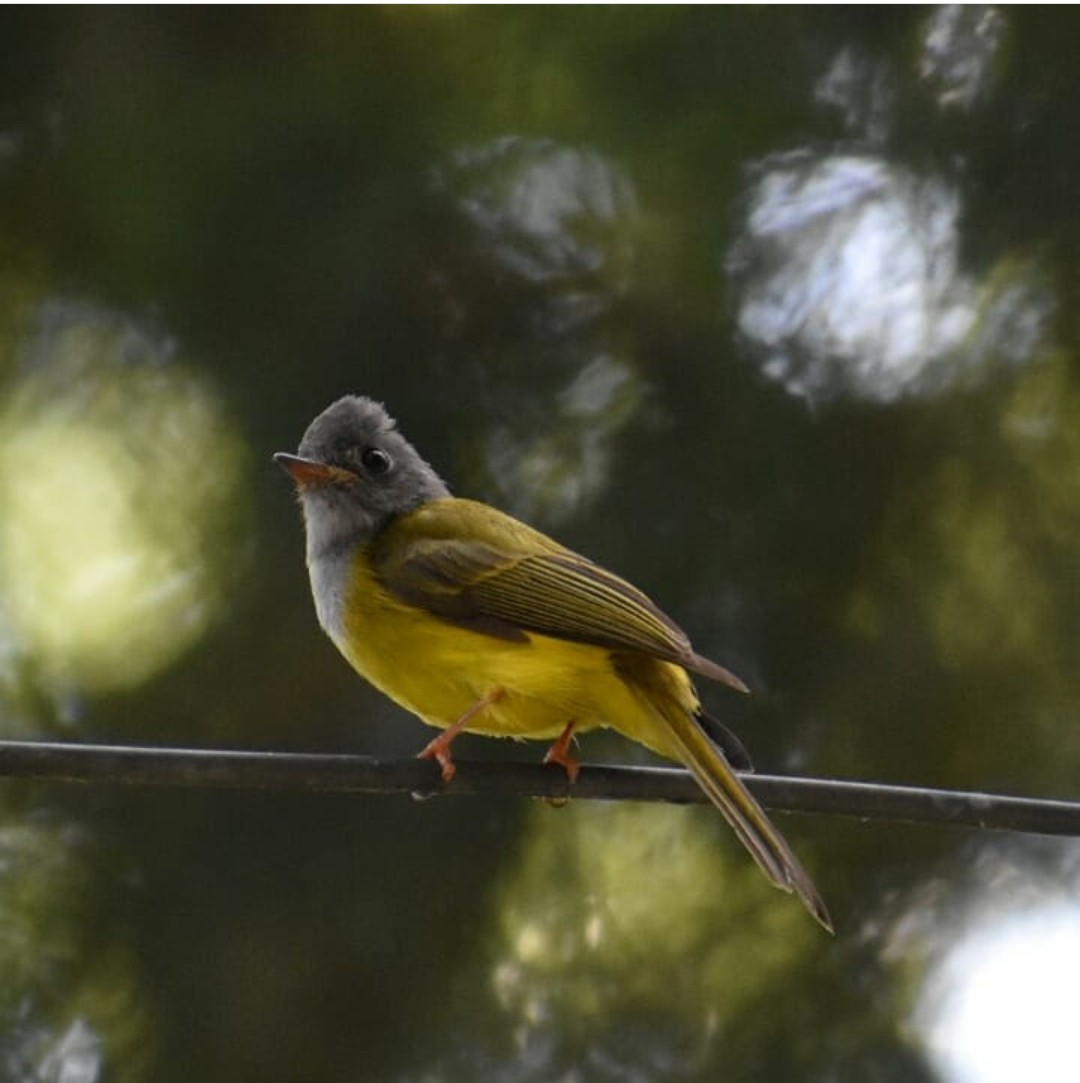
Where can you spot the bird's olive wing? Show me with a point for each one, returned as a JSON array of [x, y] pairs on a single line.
[[562, 596], [520, 582]]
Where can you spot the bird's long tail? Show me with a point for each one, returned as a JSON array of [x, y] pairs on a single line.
[[690, 744]]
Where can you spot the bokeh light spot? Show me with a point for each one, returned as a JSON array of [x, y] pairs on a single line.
[[848, 282], [1001, 1007], [119, 476], [670, 925]]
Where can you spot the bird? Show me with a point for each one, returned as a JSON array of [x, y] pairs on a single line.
[[474, 621]]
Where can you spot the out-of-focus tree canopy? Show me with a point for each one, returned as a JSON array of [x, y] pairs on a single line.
[[767, 309]]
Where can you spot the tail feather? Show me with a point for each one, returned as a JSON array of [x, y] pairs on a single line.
[[734, 751], [747, 818]]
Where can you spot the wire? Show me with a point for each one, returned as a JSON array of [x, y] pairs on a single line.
[[313, 773]]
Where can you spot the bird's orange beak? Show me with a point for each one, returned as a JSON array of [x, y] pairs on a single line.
[[312, 472]]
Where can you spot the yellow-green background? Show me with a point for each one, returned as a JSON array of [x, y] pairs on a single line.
[[532, 233]]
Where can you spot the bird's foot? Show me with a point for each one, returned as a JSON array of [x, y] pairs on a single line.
[[559, 753], [439, 749]]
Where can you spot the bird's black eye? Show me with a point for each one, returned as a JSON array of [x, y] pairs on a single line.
[[375, 461]]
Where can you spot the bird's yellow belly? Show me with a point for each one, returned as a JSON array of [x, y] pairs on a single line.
[[438, 670]]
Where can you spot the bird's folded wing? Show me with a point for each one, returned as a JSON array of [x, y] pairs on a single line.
[[512, 580]]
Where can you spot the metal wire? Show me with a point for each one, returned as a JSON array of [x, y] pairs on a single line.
[[242, 770]]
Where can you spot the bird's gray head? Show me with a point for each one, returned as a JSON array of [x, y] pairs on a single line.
[[355, 473]]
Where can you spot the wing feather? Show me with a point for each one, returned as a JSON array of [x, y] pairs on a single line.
[[476, 567]]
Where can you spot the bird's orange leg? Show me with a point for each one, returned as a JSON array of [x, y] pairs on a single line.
[[560, 752], [439, 749]]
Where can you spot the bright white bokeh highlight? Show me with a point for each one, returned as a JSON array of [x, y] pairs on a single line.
[[542, 211], [848, 276], [960, 47], [1002, 1005], [847, 281]]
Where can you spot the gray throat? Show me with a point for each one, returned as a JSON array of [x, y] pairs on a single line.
[[328, 567]]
